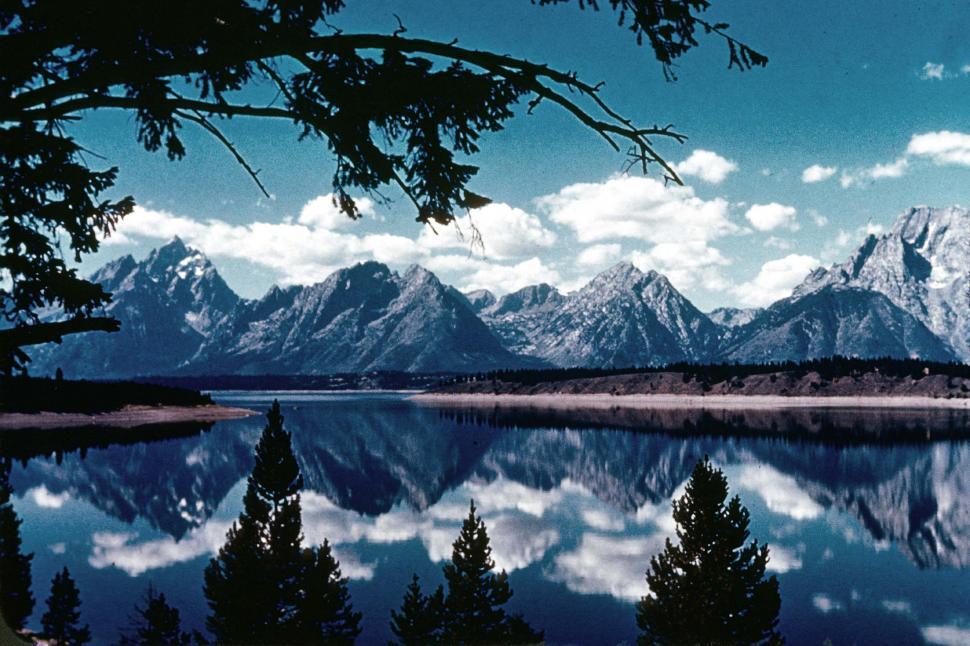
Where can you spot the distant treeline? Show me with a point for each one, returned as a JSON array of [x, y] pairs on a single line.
[[31, 394], [376, 380], [827, 368]]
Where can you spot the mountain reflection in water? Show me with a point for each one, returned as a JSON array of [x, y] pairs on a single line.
[[868, 520]]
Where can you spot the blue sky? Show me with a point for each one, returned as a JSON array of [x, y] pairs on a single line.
[[873, 95]]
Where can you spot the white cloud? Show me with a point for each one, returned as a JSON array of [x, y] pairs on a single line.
[[637, 207], [965, 69], [932, 72], [57, 548], [782, 559], [599, 254], [611, 565], [780, 492], [497, 278], [826, 604], [879, 171], [898, 606], [298, 253], [44, 498], [322, 213], [308, 250], [778, 243], [775, 280], [707, 166], [685, 264], [506, 233], [944, 147], [602, 520], [947, 635], [817, 173], [768, 217], [817, 218]]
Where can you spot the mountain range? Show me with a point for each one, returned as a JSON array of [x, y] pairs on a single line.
[[904, 293]]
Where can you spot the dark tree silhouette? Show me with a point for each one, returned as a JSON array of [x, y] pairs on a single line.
[[393, 111], [324, 613], [263, 587], [710, 589], [62, 621], [16, 601], [421, 617], [473, 605], [155, 622]]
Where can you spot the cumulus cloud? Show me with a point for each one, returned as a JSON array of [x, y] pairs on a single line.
[[48, 499], [300, 253], [818, 173], [707, 166], [932, 71], [506, 233], [781, 492], [603, 564], [826, 604], [947, 635], [637, 207], [685, 264], [944, 147], [497, 278], [599, 254], [768, 217], [321, 212], [775, 280], [308, 249], [783, 559], [676, 226]]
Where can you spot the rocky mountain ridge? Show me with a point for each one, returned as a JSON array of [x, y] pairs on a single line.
[[902, 294]]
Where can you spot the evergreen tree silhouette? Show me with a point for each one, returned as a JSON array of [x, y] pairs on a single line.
[[62, 620], [473, 606], [16, 601], [710, 589], [421, 617], [325, 613], [155, 622], [264, 587]]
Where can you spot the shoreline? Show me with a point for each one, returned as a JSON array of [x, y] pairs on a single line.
[[127, 417], [720, 402]]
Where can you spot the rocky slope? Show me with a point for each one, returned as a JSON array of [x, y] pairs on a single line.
[[623, 317], [834, 320], [365, 317], [168, 305], [922, 266]]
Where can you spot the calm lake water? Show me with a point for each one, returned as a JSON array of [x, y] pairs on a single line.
[[870, 539]]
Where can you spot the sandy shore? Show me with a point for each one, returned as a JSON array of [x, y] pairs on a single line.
[[127, 417], [720, 402]]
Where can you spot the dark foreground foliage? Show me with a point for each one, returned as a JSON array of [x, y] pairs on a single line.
[[31, 395], [710, 588], [264, 587], [472, 610], [16, 601], [62, 621], [827, 368]]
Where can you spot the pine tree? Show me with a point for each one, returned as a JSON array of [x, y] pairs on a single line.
[[62, 620], [473, 606], [16, 601], [325, 613], [253, 584], [421, 617], [711, 587], [155, 622], [264, 586]]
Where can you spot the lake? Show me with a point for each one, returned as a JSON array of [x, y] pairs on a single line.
[[869, 528]]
